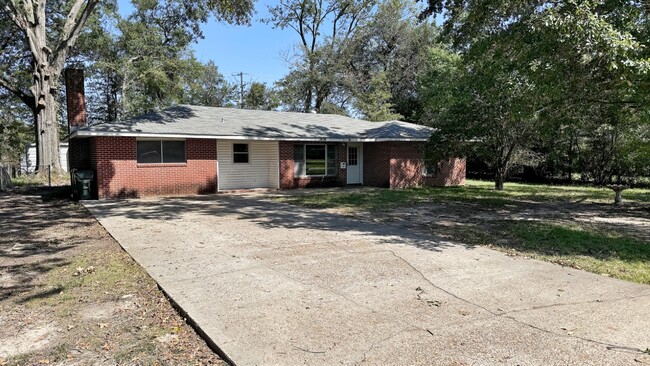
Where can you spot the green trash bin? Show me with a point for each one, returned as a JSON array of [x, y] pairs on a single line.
[[83, 184]]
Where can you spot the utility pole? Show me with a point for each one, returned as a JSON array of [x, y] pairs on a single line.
[[241, 89]]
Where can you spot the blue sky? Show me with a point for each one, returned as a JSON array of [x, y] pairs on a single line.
[[255, 50]]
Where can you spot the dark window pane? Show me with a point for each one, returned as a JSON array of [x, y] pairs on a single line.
[[315, 152], [173, 151], [331, 159], [331, 151], [315, 164], [149, 152], [240, 153], [430, 167], [240, 148], [240, 158]]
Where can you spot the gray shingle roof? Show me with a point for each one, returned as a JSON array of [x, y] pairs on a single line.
[[213, 122]]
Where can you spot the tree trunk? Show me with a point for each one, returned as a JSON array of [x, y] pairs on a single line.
[[499, 179], [45, 91], [30, 17]]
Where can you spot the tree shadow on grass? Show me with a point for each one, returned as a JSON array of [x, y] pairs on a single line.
[[37, 226], [553, 239]]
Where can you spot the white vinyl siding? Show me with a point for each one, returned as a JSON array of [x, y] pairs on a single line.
[[28, 158], [261, 171]]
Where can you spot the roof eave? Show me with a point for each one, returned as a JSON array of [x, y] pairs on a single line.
[[87, 133]]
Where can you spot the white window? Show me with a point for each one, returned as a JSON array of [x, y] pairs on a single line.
[[161, 151], [314, 159]]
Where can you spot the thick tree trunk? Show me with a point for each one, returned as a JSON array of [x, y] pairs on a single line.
[[46, 125], [499, 179], [31, 19]]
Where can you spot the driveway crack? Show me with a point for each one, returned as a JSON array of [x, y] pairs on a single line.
[[609, 346]]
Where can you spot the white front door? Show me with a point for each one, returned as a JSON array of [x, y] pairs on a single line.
[[355, 163]]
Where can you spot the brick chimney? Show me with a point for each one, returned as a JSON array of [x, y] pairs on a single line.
[[75, 98]]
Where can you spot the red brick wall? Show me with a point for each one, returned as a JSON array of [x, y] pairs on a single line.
[[75, 98], [451, 172], [406, 163], [376, 164], [289, 181], [119, 175], [79, 154], [286, 164]]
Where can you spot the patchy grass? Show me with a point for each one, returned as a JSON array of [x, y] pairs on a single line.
[[36, 180], [475, 191], [75, 297], [481, 215], [581, 246]]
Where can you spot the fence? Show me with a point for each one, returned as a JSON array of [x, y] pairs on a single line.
[[38, 175]]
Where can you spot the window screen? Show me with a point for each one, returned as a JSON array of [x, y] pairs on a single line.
[[152, 152], [173, 151], [149, 152]]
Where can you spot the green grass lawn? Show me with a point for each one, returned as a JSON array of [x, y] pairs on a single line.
[[589, 246], [599, 251], [474, 191]]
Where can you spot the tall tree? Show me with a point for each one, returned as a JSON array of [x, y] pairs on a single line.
[[375, 103], [583, 65], [207, 86], [48, 31], [260, 97], [324, 28], [393, 43], [485, 110]]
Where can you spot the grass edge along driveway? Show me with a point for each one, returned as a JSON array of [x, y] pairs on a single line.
[[583, 245]]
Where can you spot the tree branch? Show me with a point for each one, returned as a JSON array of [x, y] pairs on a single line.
[[26, 98], [68, 40], [13, 14]]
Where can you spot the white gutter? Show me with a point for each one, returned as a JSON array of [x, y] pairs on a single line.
[[82, 133]]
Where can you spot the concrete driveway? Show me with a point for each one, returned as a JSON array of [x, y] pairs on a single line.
[[271, 283]]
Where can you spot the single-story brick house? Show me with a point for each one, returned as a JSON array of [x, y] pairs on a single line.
[[199, 150]]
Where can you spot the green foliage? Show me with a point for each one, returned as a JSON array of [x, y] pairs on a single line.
[[572, 70], [259, 96], [375, 103], [359, 57], [134, 64], [14, 135], [146, 62], [324, 29], [394, 44]]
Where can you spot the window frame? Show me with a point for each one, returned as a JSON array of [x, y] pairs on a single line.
[[162, 151], [247, 153], [426, 172], [303, 170]]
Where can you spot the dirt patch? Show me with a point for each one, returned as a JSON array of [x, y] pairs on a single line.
[[70, 295], [611, 240], [630, 219]]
